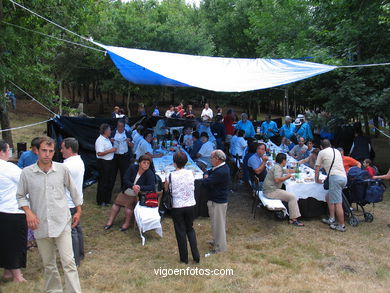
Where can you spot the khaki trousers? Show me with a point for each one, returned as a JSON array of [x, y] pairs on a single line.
[[290, 198], [217, 213], [47, 249]]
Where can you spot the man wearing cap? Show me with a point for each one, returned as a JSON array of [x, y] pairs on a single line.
[[288, 129], [305, 129]]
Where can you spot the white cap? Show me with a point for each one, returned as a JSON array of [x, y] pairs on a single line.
[[297, 122], [301, 116]]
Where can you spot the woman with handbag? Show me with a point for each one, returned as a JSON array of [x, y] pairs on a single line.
[[138, 178], [180, 184]]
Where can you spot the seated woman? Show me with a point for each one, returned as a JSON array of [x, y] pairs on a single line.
[[137, 178], [183, 206], [310, 161], [272, 188]]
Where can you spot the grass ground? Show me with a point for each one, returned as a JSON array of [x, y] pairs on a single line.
[[266, 255]]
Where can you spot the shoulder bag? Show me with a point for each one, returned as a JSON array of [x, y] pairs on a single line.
[[326, 181], [168, 201], [149, 198]]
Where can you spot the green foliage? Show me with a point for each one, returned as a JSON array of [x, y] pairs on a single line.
[[342, 32]]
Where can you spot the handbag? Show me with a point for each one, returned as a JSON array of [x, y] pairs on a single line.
[[151, 199], [168, 200], [326, 181]]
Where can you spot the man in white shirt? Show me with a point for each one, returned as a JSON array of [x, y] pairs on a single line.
[[207, 113], [331, 160], [204, 154], [72, 160]]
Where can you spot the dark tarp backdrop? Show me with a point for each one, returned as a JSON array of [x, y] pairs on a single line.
[[86, 131]]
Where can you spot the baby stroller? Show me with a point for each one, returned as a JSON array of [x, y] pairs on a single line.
[[361, 190]]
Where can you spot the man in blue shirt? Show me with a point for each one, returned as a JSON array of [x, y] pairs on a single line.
[[257, 162], [246, 125], [288, 129], [29, 157], [10, 95], [305, 129], [269, 128]]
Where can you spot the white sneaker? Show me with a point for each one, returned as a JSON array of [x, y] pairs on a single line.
[[329, 221], [338, 227], [210, 253]]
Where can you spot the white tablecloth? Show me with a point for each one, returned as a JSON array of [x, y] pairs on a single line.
[[301, 188], [164, 166], [147, 219]]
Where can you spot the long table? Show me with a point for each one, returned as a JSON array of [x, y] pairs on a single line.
[[164, 165], [311, 195]]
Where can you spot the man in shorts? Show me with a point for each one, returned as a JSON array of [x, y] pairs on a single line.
[[337, 181]]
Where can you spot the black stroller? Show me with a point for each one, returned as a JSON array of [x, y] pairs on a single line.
[[361, 190]]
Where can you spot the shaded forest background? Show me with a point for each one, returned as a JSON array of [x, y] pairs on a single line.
[[343, 32]]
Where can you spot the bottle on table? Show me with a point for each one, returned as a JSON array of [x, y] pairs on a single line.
[[297, 171]]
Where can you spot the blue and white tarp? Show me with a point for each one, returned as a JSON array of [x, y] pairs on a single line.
[[209, 73]]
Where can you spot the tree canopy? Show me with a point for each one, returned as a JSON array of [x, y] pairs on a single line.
[[343, 32]]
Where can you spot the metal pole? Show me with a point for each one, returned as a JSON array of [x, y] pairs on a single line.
[[286, 100]]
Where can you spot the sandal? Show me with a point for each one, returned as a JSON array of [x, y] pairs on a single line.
[[296, 223]]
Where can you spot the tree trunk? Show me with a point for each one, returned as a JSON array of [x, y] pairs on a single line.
[[376, 124], [366, 126], [60, 92], [4, 119]]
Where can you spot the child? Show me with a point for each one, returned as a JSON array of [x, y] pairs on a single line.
[[367, 164]]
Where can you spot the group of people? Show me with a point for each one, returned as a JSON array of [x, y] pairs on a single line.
[[132, 152], [45, 197]]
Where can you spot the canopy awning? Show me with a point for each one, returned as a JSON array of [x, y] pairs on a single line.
[[210, 73]]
